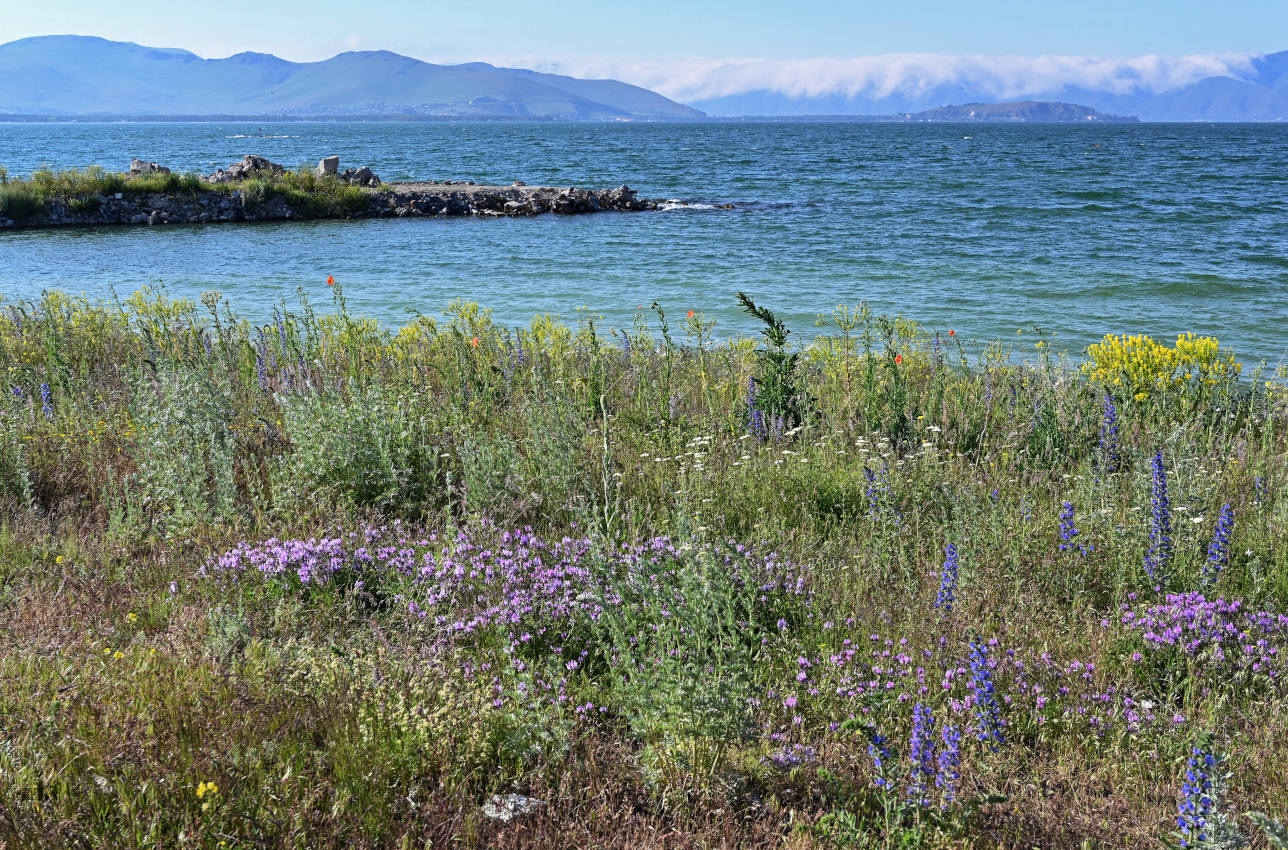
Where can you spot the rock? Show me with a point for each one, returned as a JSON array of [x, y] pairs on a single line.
[[138, 166], [361, 177], [249, 166], [518, 183], [328, 165], [507, 807]]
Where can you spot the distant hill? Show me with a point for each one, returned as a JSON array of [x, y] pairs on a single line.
[[1023, 110], [1261, 95], [82, 76]]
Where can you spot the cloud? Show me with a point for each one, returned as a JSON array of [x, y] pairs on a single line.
[[909, 74]]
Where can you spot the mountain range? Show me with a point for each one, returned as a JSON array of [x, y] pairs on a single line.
[[75, 76], [84, 77], [1259, 93]]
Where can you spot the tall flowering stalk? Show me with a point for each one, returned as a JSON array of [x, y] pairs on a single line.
[[873, 492], [948, 582], [921, 751], [755, 416], [1069, 530], [987, 708], [1158, 558], [1219, 549], [880, 755], [1110, 450], [1196, 805], [950, 760], [45, 406], [878, 488]]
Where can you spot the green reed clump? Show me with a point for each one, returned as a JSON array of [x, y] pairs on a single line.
[[305, 192]]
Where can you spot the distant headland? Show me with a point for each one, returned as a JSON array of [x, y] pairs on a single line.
[[1050, 112]]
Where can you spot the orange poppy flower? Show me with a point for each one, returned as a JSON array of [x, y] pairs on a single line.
[[474, 342], [690, 314], [330, 281], [952, 333], [898, 358]]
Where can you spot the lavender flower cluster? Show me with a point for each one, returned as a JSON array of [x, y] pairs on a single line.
[[515, 610], [1223, 633]]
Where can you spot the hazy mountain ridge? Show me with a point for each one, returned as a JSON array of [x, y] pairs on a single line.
[[1262, 95], [87, 77], [78, 76], [1024, 110]]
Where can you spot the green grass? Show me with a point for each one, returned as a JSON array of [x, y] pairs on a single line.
[[308, 195], [334, 716]]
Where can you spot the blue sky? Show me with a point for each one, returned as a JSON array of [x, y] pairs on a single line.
[[664, 29]]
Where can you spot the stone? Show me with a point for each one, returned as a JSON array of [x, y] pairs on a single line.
[[328, 165], [250, 166], [507, 807], [138, 166], [362, 177]]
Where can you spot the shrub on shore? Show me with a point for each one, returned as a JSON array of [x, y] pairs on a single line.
[[313, 581]]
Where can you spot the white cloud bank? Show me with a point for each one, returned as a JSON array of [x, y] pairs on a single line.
[[689, 80]]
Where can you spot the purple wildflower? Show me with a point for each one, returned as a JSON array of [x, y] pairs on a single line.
[[1158, 558], [921, 751], [880, 754], [1110, 452], [948, 582], [1069, 530], [1196, 799], [950, 760], [1219, 549], [986, 706]]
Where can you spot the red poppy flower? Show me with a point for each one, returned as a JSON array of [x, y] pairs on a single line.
[[330, 281], [690, 314], [898, 358], [952, 333]]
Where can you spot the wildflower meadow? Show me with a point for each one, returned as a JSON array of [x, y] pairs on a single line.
[[312, 581]]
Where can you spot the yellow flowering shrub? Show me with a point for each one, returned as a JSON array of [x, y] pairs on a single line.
[[1142, 367]]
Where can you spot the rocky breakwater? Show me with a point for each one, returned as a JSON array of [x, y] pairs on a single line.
[[450, 198], [255, 189]]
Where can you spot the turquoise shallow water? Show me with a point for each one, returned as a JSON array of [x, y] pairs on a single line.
[[1079, 230]]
